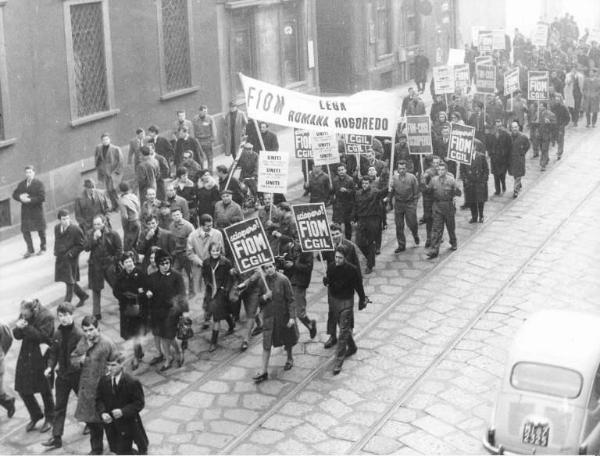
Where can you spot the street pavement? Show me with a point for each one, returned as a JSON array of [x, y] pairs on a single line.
[[432, 344]]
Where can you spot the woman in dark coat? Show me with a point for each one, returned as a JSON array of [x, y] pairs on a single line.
[[216, 273], [167, 303], [475, 178], [129, 291], [34, 327]]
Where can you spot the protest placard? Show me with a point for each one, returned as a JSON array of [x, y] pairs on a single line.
[[249, 244], [313, 227], [444, 79], [418, 135], [367, 113], [540, 34], [485, 78], [302, 146], [325, 148], [460, 144], [511, 81], [358, 144], [455, 57], [462, 76], [484, 60], [485, 41], [273, 171], [498, 40], [537, 85]]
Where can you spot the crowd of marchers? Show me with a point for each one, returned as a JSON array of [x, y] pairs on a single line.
[[171, 255]]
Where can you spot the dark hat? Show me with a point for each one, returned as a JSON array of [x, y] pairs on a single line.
[[285, 205], [89, 183], [402, 135], [226, 192], [232, 103], [479, 146], [162, 255]]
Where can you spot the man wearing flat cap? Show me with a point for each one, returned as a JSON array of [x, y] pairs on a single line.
[[91, 202]]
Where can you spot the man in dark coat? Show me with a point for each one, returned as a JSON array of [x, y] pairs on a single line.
[[90, 203], [342, 280], [234, 127], [298, 267], [6, 340], [329, 256], [147, 173], [279, 318], [119, 401], [318, 185], [519, 147], [269, 138], [162, 146], [31, 194], [475, 181], [109, 164], [155, 236], [421, 67], [91, 355], [65, 340], [498, 144], [187, 142], [34, 327], [343, 200], [562, 120], [68, 244], [105, 247]]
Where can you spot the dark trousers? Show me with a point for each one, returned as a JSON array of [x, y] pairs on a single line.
[[443, 214], [74, 288], [476, 210], [96, 437], [208, 153], [345, 319], [121, 443], [63, 387], [29, 240], [408, 212], [33, 407], [428, 217], [131, 233], [560, 140], [575, 112], [591, 117], [366, 237], [500, 182]]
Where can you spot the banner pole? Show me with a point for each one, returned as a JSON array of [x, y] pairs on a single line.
[[391, 167], [262, 276], [422, 163], [306, 169], [271, 210], [322, 264], [232, 170]]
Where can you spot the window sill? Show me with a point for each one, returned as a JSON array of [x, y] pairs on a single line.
[[385, 56], [7, 142], [179, 93], [94, 117], [296, 85]]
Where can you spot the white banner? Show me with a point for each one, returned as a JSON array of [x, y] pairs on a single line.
[[444, 79], [540, 35], [325, 148], [367, 113], [498, 39], [456, 56], [273, 171]]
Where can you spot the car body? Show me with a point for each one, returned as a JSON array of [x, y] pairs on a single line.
[[548, 401]]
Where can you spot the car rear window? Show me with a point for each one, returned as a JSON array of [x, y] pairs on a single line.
[[546, 379]]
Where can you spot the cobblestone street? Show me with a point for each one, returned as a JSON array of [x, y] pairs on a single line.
[[431, 346]]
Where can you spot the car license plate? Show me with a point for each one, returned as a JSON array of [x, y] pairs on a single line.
[[536, 433]]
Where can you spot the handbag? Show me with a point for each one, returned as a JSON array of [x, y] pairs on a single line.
[[184, 328]]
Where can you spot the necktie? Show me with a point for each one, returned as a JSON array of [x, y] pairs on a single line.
[[114, 386]]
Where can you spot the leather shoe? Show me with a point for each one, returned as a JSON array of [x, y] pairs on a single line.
[[231, 330], [258, 378], [46, 426], [473, 220], [453, 247], [417, 240], [256, 331], [288, 364], [54, 442], [368, 270], [330, 342], [156, 360], [313, 329], [98, 317], [432, 254], [10, 407], [82, 301], [212, 348], [31, 425], [337, 370], [244, 346], [27, 255], [351, 351], [166, 367], [400, 249]]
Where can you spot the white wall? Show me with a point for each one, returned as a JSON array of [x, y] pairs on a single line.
[[485, 13]]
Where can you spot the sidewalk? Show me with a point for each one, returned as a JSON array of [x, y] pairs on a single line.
[[34, 278]]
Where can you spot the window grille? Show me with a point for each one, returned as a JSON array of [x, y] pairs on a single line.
[[176, 44], [89, 59]]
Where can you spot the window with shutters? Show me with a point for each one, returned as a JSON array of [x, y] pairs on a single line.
[[174, 34], [242, 56], [89, 60]]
